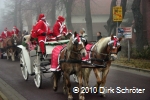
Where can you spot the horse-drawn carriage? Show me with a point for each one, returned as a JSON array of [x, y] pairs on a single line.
[[71, 62], [34, 64]]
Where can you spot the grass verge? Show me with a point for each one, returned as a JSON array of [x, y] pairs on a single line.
[[137, 63]]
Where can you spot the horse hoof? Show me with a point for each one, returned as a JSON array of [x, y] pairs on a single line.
[[103, 95], [81, 98], [70, 98], [55, 89]]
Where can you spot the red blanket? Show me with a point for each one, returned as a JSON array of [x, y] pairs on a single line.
[[55, 57], [88, 49]]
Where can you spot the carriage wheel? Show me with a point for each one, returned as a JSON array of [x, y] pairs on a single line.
[[38, 76], [23, 67]]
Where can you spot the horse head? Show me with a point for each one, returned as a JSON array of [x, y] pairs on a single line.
[[114, 47], [76, 46], [15, 39]]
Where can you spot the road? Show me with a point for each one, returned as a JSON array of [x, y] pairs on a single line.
[[10, 72]]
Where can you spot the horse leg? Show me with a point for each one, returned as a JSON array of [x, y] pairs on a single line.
[[68, 84], [104, 76], [81, 94], [13, 56], [86, 74], [97, 73], [7, 51], [57, 76], [64, 86]]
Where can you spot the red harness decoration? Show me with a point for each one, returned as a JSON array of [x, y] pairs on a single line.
[[115, 41]]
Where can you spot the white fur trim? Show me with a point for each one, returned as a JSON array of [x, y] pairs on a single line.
[[61, 27], [38, 30], [41, 41], [53, 69], [43, 17], [59, 35]]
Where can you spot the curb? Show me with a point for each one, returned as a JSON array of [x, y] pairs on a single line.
[[132, 68], [3, 96]]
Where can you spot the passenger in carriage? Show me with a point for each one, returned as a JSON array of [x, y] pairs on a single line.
[[41, 29], [59, 29], [15, 30], [83, 34]]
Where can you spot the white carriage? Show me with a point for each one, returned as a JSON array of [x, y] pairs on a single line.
[[31, 64]]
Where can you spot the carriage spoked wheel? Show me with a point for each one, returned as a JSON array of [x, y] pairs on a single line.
[[23, 67], [38, 76]]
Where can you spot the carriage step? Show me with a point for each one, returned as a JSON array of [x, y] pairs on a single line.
[[44, 64]]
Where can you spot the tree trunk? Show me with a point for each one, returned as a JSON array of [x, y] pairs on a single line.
[[53, 12], [88, 20], [15, 14], [68, 6], [28, 18], [111, 25], [138, 18], [38, 9], [20, 17]]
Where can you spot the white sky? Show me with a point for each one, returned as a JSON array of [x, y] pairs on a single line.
[[1, 3]]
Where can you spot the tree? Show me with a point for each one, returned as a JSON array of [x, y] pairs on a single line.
[[138, 19], [15, 13], [53, 12], [111, 25], [68, 6], [88, 19], [20, 16]]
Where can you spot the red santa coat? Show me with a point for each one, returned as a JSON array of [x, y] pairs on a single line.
[[15, 31], [33, 32], [57, 29], [42, 27], [6, 34]]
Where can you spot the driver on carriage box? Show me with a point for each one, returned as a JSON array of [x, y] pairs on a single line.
[[5, 34], [15, 31], [42, 29]]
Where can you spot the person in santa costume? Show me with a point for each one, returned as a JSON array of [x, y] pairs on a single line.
[[41, 29], [58, 27], [15, 31], [5, 35]]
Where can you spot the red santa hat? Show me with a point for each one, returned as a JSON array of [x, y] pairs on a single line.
[[41, 17], [61, 18]]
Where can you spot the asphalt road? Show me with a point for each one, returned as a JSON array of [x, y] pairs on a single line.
[[10, 72]]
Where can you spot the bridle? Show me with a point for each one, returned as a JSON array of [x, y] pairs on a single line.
[[107, 55], [15, 39]]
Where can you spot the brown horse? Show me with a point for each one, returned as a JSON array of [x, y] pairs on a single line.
[[11, 46], [70, 63], [101, 54]]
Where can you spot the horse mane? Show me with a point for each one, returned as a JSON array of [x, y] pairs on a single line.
[[102, 44], [69, 47]]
